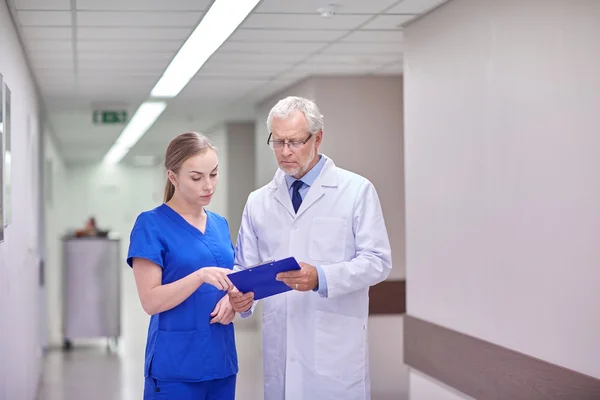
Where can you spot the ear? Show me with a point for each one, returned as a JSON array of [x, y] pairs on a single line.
[[172, 177], [319, 137]]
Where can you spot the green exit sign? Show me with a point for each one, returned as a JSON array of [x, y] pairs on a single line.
[[110, 117]]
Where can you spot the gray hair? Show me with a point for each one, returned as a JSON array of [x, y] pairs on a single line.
[[286, 107]]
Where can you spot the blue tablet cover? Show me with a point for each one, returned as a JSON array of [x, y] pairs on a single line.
[[261, 278]]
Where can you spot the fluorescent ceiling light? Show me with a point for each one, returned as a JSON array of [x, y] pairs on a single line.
[[220, 21], [141, 121], [218, 24], [114, 155]]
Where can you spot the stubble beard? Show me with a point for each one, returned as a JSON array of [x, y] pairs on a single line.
[[301, 170]]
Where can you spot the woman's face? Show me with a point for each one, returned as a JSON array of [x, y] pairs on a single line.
[[197, 179]]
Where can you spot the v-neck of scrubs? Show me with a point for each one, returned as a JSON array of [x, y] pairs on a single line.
[[183, 222]]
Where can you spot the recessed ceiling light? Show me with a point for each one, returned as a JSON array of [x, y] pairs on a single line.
[[327, 10]]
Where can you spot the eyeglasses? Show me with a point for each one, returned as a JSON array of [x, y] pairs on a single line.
[[292, 144]]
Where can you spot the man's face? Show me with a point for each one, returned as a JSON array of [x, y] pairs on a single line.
[[295, 161]]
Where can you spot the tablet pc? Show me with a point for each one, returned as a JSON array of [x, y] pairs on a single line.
[[261, 280]]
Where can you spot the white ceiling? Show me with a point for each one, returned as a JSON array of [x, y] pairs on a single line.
[[88, 54]]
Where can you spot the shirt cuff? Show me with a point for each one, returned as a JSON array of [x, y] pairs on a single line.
[[322, 283], [248, 313]]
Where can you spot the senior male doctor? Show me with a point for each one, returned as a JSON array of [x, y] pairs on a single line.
[[315, 336]]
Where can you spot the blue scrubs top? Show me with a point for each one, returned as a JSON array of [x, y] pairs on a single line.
[[182, 345]]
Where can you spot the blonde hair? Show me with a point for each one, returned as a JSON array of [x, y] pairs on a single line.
[[181, 148]]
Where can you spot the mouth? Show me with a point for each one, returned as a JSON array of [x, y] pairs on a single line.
[[207, 196]]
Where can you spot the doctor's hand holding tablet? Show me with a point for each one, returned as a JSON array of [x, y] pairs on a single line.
[[298, 276], [302, 277], [269, 279], [304, 280]]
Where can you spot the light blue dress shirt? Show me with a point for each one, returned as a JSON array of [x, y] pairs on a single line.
[[308, 180]]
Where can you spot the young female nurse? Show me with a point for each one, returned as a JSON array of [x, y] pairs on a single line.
[[181, 255]]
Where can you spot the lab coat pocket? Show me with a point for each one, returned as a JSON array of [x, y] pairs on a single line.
[[327, 239], [340, 345]]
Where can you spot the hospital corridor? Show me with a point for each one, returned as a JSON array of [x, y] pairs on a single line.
[[299, 199]]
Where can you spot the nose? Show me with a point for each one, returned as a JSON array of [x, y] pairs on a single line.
[[208, 186], [286, 151]]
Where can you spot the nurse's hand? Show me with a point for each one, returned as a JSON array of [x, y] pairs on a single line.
[[241, 302], [223, 312], [216, 276]]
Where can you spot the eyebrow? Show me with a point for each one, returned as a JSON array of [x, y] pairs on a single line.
[[200, 173], [296, 138]]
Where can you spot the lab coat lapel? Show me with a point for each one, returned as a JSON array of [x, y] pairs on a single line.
[[314, 193], [327, 178], [281, 192]]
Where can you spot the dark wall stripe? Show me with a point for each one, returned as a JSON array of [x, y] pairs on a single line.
[[486, 371], [387, 297]]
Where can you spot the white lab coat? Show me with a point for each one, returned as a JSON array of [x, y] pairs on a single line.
[[314, 347]]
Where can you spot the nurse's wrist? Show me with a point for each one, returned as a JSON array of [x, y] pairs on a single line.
[[201, 277], [198, 275]]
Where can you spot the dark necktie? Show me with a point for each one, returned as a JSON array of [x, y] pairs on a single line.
[[296, 198]]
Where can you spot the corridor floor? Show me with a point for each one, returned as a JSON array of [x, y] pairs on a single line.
[[94, 373]]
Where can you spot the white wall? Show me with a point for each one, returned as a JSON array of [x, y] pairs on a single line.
[[502, 101], [56, 189], [20, 350], [363, 133]]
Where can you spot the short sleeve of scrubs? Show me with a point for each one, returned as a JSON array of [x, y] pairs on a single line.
[[146, 241]]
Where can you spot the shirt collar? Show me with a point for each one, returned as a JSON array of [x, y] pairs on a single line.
[[310, 176]]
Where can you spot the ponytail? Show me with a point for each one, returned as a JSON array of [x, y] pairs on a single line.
[[169, 190]]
